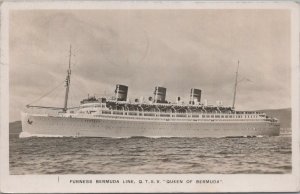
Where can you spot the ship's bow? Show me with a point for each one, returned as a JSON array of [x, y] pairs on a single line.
[[25, 128]]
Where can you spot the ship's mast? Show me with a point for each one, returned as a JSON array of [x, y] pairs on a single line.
[[68, 81], [235, 84]]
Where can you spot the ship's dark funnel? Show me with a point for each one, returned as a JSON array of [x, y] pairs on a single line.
[[195, 96], [121, 92], [160, 94]]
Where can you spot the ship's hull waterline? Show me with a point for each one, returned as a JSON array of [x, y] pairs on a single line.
[[39, 125]]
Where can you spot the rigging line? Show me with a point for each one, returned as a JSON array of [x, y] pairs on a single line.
[[75, 79], [75, 87], [46, 94], [72, 99], [76, 97], [57, 96]]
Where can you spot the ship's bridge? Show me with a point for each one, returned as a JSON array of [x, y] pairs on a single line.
[[91, 104]]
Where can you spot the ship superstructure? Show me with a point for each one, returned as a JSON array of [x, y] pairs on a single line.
[[118, 116]]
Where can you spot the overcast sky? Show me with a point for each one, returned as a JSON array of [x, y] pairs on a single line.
[[177, 49]]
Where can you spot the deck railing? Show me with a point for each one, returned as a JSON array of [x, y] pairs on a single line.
[[182, 115]]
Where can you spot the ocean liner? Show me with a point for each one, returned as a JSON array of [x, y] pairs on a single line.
[[119, 117]]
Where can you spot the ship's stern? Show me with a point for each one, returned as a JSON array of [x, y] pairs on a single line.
[[275, 127]]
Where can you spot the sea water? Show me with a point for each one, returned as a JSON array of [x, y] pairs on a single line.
[[136, 155]]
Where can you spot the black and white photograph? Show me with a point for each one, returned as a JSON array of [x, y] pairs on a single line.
[[150, 88]]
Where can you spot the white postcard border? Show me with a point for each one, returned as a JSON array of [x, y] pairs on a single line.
[[227, 183]]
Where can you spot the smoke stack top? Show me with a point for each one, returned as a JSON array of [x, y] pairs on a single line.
[[160, 94], [121, 92], [195, 96]]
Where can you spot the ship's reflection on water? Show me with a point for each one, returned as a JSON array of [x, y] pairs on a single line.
[[136, 155]]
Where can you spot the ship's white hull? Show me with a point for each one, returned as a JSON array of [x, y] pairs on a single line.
[[39, 125]]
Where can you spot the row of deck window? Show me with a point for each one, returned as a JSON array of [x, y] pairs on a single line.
[[207, 118], [179, 115]]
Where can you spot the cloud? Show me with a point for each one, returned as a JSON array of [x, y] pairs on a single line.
[[178, 49]]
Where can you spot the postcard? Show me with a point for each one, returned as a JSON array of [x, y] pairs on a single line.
[[149, 96]]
